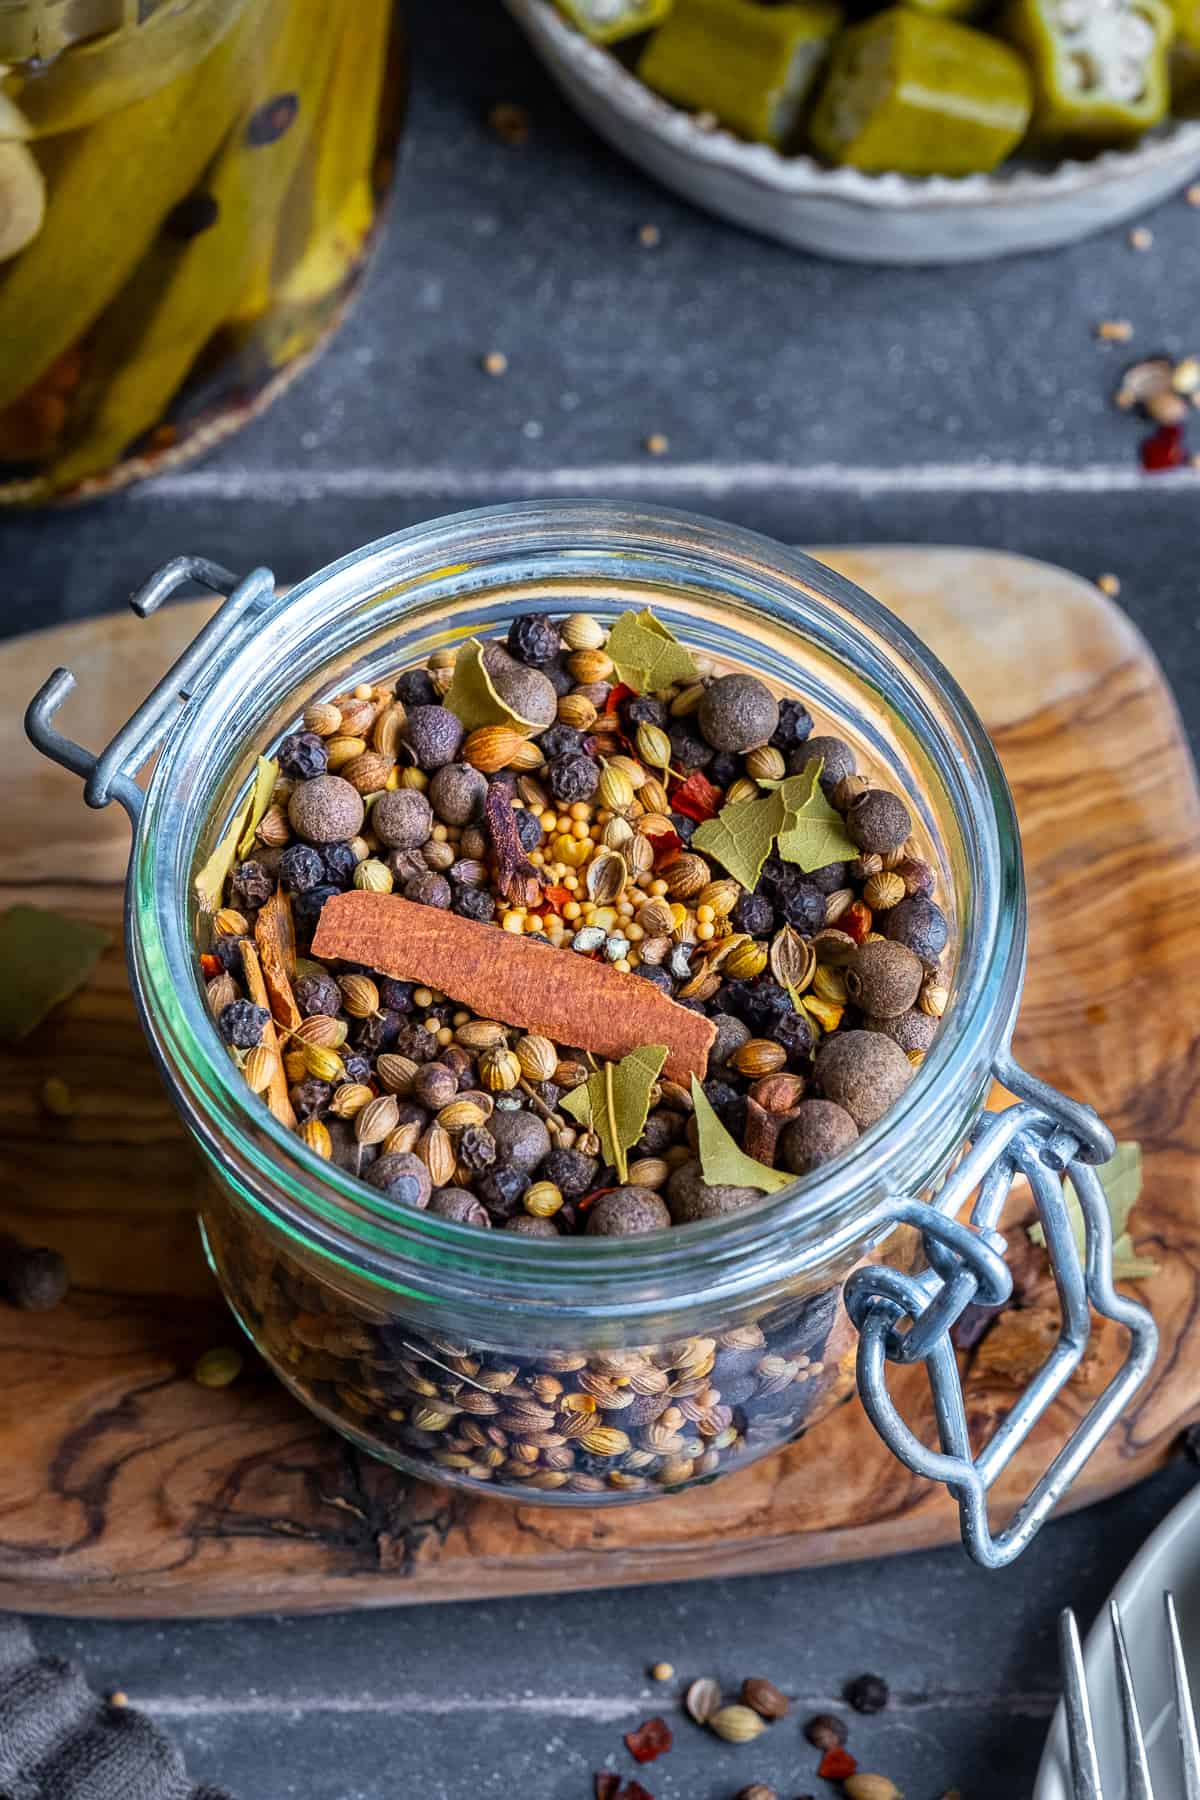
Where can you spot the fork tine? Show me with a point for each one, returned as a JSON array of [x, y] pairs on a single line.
[[1185, 1717], [1137, 1770], [1085, 1767]]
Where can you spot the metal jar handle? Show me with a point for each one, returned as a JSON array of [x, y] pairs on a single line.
[[1044, 1137]]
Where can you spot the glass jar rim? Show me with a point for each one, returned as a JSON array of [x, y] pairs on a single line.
[[337, 1215]]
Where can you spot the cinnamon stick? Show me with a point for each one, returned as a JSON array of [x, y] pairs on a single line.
[[277, 1093], [570, 999]]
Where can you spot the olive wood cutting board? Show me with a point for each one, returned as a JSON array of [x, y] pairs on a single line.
[[126, 1489]]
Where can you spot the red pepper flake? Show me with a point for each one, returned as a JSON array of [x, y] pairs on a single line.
[[557, 897], [633, 1790], [697, 798], [617, 695], [209, 965], [591, 1199], [1164, 449], [836, 1765], [649, 1740], [856, 921], [606, 1786], [667, 844]]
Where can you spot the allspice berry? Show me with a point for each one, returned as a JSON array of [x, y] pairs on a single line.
[[458, 1204], [913, 1030], [457, 793], [738, 712], [884, 979], [526, 1225], [864, 1072], [921, 925], [820, 1131], [433, 734], [402, 819], [690, 1197], [521, 1138], [326, 810], [834, 754], [628, 1212], [878, 822], [826, 1731]]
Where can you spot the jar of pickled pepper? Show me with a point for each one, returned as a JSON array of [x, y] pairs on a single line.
[[188, 193]]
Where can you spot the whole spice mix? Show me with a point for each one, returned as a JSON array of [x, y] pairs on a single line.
[[570, 934]]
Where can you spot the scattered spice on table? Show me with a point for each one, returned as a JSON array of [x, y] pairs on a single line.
[[510, 123], [56, 1097], [1141, 238], [1114, 331], [1109, 584], [32, 1280], [649, 1741], [649, 237], [662, 1671], [218, 1368], [657, 443], [494, 362], [867, 1693], [836, 1765]]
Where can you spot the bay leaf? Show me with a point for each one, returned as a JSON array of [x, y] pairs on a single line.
[[1121, 1179], [266, 774], [210, 882], [648, 657], [45, 957], [741, 836], [723, 1162], [615, 1100], [473, 698], [814, 835]]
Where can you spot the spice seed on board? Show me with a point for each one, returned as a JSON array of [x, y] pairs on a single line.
[[702, 1699]]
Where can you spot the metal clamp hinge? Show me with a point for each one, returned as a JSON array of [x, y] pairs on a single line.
[[111, 774], [908, 1318]]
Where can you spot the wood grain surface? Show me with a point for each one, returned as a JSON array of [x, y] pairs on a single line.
[[126, 1489]]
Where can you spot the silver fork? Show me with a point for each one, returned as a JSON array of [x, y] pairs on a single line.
[[1085, 1767]]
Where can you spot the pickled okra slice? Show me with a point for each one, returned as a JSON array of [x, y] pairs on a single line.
[[607, 21], [1099, 67], [752, 66], [921, 95]]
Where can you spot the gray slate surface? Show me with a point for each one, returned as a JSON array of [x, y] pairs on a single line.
[[824, 404]]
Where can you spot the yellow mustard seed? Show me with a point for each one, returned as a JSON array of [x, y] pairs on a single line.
[[422, 996]]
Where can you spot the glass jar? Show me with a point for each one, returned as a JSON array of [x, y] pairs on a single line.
[[188, 191], [600, 1371]]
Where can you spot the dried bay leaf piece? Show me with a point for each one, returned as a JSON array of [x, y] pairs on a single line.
[[44, 959], [815, 834], [723, 1162], [615, 1101], [647, 656], [266, 774], [741, 836], [473, 698], [1121, 1179], [209, 884]]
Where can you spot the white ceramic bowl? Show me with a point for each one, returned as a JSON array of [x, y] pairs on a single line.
[[840, 212]]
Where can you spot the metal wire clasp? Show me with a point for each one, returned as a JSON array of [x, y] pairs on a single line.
[[110, 775], [907, 1318]]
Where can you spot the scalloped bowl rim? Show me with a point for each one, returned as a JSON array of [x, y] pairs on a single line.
[[801, 176]]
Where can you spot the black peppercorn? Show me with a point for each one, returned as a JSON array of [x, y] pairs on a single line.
[[415, 688], [731, 1035], [250, 886], [433, 734], [428, 890], [34, 1280], [830, 878], [643, 709], [300, 868], [827, 1731], [501, 1187], [755, 914], [476, 1148], [340, 864], [306, 907], [310, 1097], [318, 993], [241, 1024], [474, 903], [760, 1003], [560, 740], [572, 1172], [867, 1693], [794, 727], [533, 638], [529, 828], [379, 1032], [560, 678], [414, 1041], [302, 755], [572, 778], [688, 751], [656, 977], [683, 827], [660, 1132], [228, 952], [358, 1068], [724, 769], [794, 1031], [435, 1085], [803, 906]]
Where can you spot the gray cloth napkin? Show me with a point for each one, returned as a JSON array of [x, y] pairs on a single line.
[[59, 1741]]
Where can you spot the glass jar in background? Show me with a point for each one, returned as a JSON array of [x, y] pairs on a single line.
[[188, 191]]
